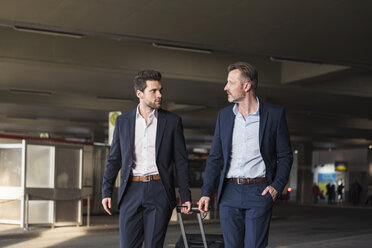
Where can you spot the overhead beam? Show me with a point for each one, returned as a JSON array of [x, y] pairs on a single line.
[[65, 101], [297, 71], [72, 128], [128, 57]]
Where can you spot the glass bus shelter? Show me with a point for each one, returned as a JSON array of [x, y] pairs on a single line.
[[40, 184]]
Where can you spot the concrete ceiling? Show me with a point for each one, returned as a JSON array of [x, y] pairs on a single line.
[[65, 64]]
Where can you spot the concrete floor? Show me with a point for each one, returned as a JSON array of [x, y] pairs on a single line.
[[292, 226]]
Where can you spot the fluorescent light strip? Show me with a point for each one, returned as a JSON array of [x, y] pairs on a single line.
[[178, 48], [114, 98], [31, 92], [48, 32]]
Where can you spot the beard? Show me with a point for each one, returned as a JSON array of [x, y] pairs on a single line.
[[235, 99], [154, 105]]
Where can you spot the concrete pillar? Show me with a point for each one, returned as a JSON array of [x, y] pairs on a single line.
[[305, 174], [369, 176]]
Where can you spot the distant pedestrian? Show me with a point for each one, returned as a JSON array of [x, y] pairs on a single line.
[[340, 190], [315, 193], [355, 191], [328, 192], [369, 200], [333, 194], [321, 195]]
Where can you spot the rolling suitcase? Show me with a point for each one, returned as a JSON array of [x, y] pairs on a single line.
[[197, 240]]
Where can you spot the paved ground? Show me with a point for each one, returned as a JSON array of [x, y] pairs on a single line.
[[293, 226]]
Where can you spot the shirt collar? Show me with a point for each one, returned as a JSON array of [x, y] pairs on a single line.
[[154, 114], [236, 108]]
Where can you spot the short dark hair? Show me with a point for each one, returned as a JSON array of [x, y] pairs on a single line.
[[248, 71], [142, 76]]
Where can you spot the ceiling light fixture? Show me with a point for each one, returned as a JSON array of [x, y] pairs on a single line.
[[284, 59], [31, 92], [181, 48], [48, 32], [114, 98]]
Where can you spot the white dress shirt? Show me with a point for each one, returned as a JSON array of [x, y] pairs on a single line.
[[144, 157], [246, 160]]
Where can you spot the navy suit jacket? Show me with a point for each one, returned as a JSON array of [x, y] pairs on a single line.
[[170, 151], [274, 143]]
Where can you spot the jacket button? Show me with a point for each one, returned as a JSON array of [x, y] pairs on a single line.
[[129, 165]]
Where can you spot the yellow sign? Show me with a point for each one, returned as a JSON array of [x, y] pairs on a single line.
[[113, 117], [340, 166]]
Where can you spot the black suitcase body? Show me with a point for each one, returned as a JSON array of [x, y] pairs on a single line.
[[195, 240], [201, 240]]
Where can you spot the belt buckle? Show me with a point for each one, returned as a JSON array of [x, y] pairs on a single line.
[[147, 179], [238, 181]]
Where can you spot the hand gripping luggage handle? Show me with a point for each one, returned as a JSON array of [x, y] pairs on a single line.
[[193, 209], [196, 210]]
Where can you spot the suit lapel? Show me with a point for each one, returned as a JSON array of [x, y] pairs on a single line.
[[230, 120], [263, 118], [131, 128], [160, 129]]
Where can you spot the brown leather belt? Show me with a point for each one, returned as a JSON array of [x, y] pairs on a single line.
[[145, 178], [248, 180]]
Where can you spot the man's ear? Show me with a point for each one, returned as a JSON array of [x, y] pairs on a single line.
[[248, 86], [139, 94]]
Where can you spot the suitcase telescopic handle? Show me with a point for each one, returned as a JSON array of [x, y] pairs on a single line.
[[194, 209]]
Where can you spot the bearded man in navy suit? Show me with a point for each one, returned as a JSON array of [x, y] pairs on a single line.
[[149, 147], [252, 156]]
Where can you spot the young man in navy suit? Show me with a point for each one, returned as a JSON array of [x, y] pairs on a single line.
[[252, 155], [148, 145]]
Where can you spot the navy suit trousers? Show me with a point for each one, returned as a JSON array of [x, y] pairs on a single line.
[[245, 215], [144, 215]]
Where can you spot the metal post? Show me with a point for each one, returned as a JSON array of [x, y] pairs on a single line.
[[54, 202], [26, 212], [77, 212], [88, 211]]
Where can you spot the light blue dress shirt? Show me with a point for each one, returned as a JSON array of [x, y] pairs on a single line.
[[246, 160]]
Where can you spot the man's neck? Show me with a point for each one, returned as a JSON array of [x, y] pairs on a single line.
[[248, 106], [145, 111]]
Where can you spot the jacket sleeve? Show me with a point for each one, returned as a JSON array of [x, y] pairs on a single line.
[[284, 154], [181, 162], [113, 164], [214, 162]]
